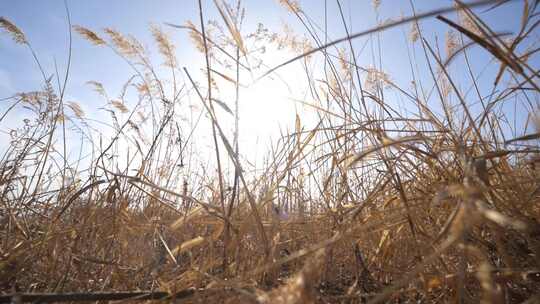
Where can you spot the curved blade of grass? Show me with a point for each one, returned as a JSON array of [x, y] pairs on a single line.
[[376, 29]]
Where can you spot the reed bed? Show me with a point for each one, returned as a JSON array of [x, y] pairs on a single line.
[[363, 202]]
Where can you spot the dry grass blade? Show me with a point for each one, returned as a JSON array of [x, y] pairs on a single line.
[[186, 218], [229, 79], [353, 159], [300, 289], [223, 105], [91, 296], [464, 47], [524, 138], [187, 245], [493, 49]]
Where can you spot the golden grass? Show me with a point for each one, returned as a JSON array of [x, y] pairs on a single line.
[[371, 204]]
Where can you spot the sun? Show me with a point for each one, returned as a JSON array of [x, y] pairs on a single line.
[[267, 107]]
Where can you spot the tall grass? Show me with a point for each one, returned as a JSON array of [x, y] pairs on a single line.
[[364, 201]]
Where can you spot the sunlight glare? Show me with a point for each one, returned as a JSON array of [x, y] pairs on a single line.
[[266, 108]]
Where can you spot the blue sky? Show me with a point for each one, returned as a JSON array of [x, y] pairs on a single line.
[[45, 25]]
